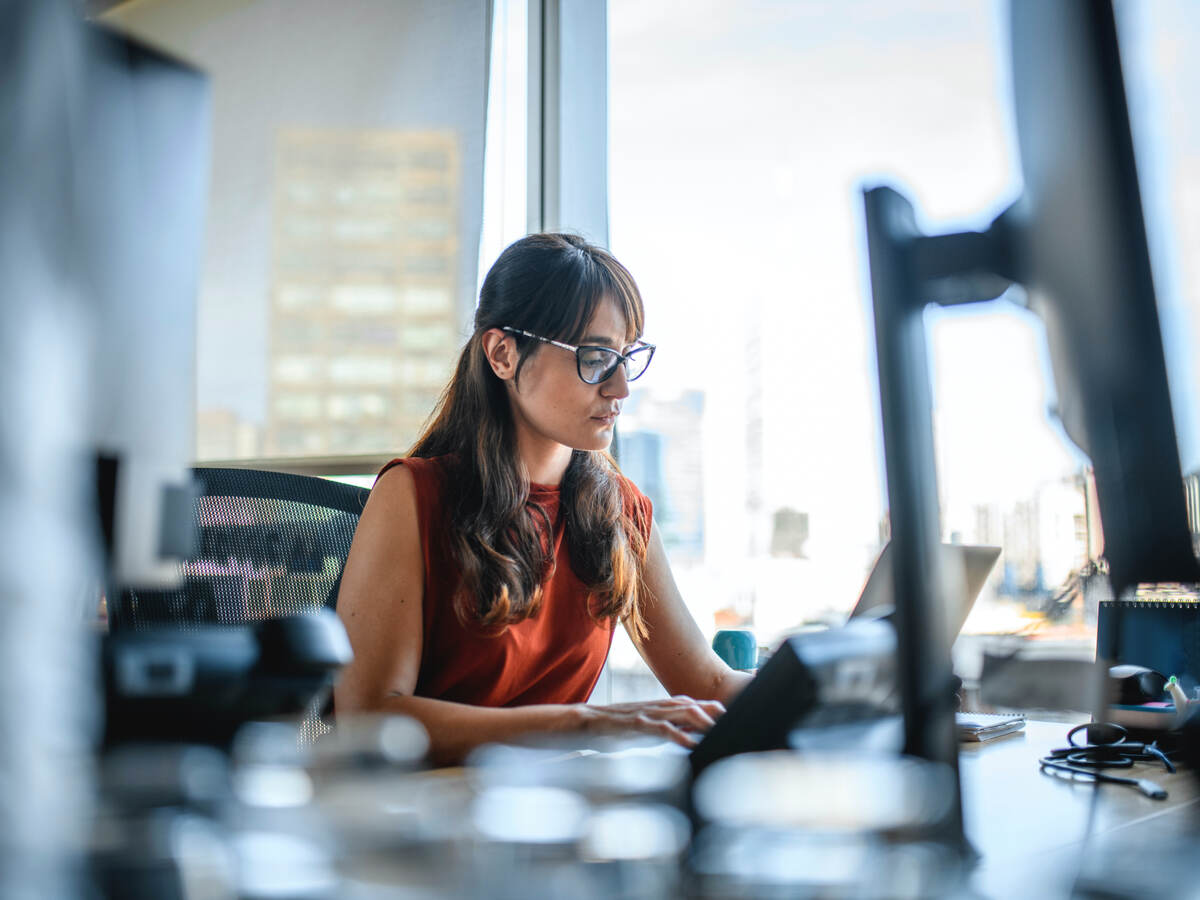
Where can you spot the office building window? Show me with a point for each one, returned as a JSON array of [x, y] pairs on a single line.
[[364, 299], [346, 199]]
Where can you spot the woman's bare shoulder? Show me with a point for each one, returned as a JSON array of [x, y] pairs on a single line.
[[393, 498], [397, 477], [385, 556]]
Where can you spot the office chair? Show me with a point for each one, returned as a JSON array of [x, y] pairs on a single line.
[[270, 545]]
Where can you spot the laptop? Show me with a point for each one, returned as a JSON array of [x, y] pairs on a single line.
[[806, 679], [965, 566]]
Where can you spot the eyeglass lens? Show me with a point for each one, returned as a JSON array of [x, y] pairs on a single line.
[[598, 363]]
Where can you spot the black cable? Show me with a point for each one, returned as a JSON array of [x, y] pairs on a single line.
[[1151, 789], [1084, 761]]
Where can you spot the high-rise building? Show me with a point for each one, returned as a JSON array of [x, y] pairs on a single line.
[[641, 458], [221, 434], [364, 326], [1044, 536], [761, 533], [656, 428]]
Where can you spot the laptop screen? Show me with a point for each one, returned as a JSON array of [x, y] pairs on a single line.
[[965, 567]]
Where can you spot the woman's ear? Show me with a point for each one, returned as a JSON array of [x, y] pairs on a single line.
[[501, 352]]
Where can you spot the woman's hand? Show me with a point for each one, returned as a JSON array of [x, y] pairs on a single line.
[[679, 719]]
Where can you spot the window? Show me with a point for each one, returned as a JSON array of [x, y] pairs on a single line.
[[346, 189], [298, 406], [364, 299], [362, 370], [344, 407], [740, 141], [298, 369], [421, 300], [424, 337]]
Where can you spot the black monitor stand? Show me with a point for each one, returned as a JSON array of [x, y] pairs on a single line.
[[909, 271]]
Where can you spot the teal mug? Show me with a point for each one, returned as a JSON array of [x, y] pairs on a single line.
[[737, 647]]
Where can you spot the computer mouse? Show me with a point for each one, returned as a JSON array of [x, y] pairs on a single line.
[[1134, 685]]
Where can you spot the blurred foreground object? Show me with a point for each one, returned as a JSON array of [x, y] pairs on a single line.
[[101, 214], [823, 685], [842, 824], [47, 703], [201, 684], [182, 822], [271, 550], [545, 819], [1075, 242]]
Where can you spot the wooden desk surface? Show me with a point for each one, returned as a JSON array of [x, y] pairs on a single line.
[[1032, 830]]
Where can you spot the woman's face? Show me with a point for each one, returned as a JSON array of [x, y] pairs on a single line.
[[551, 403]]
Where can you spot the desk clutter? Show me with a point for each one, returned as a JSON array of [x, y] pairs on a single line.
[[356, 816], [199, 797], [1094, 747], [260, 810]]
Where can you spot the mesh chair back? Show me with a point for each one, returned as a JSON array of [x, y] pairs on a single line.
[[271, 544]]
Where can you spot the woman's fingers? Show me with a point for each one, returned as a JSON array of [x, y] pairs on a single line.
[[677, 719], [690, 714], [696, 714], [714, 708], [664, 729]]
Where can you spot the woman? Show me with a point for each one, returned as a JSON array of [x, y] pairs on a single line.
[[492, 564]]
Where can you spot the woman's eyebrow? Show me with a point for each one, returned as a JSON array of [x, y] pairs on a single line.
[[598, 339]]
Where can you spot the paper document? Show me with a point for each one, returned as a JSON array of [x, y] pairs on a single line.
[[985, 726]]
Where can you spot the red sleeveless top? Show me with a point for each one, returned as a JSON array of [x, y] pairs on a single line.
[[553, 657]]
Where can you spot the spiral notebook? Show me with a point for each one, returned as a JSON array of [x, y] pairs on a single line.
[[1159, 629], [985, 726]]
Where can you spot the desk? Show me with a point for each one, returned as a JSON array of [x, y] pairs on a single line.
[[1030, 828]]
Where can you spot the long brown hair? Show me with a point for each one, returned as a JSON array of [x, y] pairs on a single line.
[[550, 285]]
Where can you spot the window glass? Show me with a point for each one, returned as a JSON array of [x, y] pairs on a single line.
[[364, 299], [373, 370], [505, 173], [298, 406], [347, 184], [358, 406], [291, 369], [740, 141]]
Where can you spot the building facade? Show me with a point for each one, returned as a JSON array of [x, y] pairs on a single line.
[[363, 321]]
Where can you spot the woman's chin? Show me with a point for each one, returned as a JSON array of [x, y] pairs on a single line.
[[600, 440]]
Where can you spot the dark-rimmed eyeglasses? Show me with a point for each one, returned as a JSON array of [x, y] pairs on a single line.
[[596, 364]]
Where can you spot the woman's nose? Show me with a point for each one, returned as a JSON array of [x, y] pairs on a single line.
[[617, 385]]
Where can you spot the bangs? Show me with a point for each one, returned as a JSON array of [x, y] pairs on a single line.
[[570, 301]]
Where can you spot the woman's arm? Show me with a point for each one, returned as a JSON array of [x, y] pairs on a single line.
[[379, 600], [380, 605], [457, 728], [674, 648]]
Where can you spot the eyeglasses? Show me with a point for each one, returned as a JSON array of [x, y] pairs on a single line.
[[596, 364]]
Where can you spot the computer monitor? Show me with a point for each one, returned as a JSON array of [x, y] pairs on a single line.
[[1075, 240], [142, 189], [1079, 248]]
